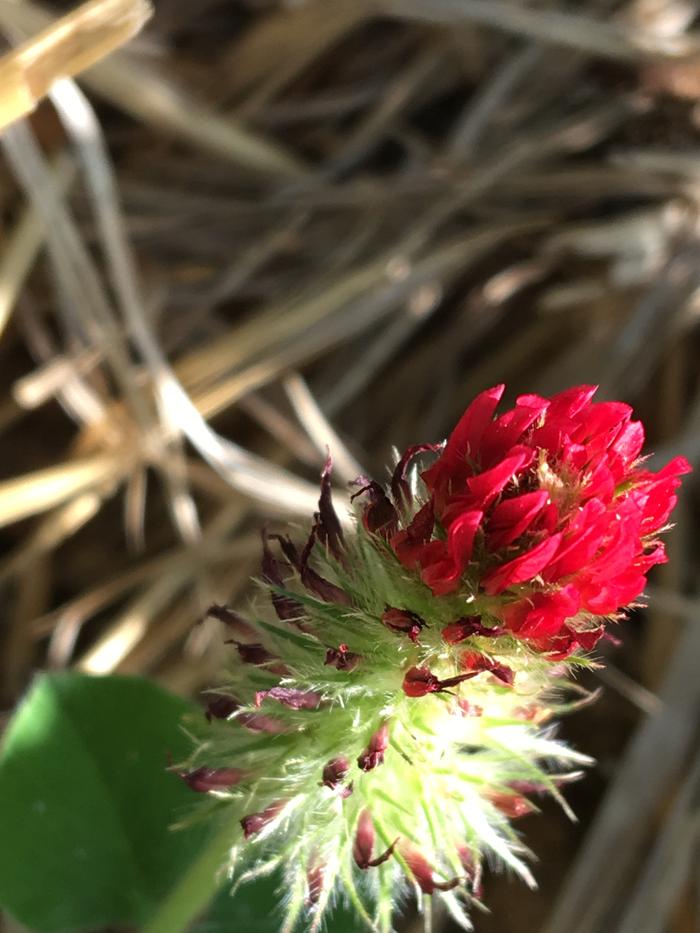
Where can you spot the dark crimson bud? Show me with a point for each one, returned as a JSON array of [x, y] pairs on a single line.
[[273, 573], [466, 627], [472, 870], [422, 871], [330, 532], [410, 543], [363, 845], [419, 681], [313, 581], [399, 487], [403, 621], [289, 549], [289, 696], [256, 822], [258, 723], [314, 882], [335, 773], [251, 653], [341, 658], [374, 753], [513, 806], [232, 620], [206, 779], [477, 662], [503, 673], [220, 707], [379, 517]]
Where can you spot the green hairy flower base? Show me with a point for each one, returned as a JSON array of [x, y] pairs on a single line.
[[451, 767]]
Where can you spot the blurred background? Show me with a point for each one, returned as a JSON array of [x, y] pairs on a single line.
[[264, 227]]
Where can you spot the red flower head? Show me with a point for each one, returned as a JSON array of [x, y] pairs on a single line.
[[400, 689], [547, 507]]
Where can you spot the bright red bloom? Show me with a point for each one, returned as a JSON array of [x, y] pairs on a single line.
[[547, 506]]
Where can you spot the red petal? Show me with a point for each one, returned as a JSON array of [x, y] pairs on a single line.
[[443, 575], [513, 517], [487, 485], [629, 442], [606, 596], [507, 430], [596, 423], [465, 439], [582, 540], [409, 543], [522, 568], [544, 615], [569, 403]]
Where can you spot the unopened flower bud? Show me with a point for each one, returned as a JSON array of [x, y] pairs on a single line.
[[314, 883], [341, 658], [455, 632], [256, 822], [423, 872], [403, 621], [374, 753], [334, 775], [363, 845], [208, 779]]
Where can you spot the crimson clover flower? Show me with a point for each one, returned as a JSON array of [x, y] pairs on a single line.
[[546, 507], [389, 715]]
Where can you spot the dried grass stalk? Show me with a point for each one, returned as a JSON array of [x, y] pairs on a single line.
[[65, 48]]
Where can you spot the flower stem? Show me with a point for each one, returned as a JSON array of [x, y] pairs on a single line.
[[195, 888]]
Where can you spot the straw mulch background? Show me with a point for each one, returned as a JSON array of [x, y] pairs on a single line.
[[335, 221]]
